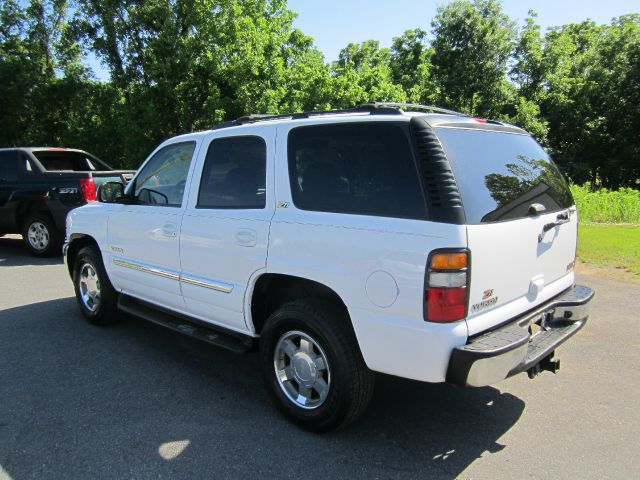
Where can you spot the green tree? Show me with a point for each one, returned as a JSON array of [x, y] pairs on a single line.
[[17, 74], [410, 64], [472, 43], [569, 53], [529, 74], [362, 74], [612, 91]]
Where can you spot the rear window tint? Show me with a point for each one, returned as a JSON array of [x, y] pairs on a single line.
[[500, 175], [358, 168], [64, 161]]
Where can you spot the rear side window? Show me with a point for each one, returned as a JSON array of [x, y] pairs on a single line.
[[7, 165], [358, 168], [234, 174], [500, 175]]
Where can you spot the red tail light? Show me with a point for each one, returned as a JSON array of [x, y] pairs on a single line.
[[446, 286], [446, 304], [88, 188]]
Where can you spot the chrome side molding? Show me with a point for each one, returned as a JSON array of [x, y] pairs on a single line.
[[211, 284]]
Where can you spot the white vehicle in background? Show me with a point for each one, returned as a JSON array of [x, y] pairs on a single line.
[[402, 239]]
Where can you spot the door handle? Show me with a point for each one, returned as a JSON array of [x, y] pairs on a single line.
[[246, 237], [169, 230]]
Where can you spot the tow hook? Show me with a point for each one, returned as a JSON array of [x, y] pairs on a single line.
[[548, 363]]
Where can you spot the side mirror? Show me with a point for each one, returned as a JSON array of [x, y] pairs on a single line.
[[110, 192]]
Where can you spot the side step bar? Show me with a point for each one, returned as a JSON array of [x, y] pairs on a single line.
[[229, 340]]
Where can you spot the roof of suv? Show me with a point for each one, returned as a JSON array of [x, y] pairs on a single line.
[[435, 116], [42, 149]]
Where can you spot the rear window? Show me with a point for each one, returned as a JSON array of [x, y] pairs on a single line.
[[358, 168], [64, 161], [500, 175]]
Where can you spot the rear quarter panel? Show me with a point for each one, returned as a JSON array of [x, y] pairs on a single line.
[[377, 266]]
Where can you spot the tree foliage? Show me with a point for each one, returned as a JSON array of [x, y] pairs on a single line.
[[181, 65]]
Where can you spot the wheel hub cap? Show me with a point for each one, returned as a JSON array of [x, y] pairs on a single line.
[[38, 236], [302, 370], [89, 285]]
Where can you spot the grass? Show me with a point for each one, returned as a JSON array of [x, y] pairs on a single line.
[[607, 206], [613, 245]]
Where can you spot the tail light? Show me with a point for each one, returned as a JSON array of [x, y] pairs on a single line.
[[446, 286], [88, 189]]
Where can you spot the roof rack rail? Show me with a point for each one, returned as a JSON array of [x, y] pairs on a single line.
[[413, 107], [372, 108], [261, 117]]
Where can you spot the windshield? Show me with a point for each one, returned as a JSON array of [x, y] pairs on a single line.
[[500, 175]]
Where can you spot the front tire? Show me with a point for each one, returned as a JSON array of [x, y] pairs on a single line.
[[97, 299], [312, 366], [41, 236]]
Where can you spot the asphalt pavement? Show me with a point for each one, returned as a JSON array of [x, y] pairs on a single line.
[[138, 401]]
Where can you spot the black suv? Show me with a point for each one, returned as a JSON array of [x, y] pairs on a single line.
[[39, 186]]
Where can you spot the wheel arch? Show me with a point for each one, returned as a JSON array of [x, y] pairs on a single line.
[[271, 290], [25, 208], [77, 241]]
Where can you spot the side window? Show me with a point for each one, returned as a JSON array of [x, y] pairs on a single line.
[[6, 165], [358, 168], [25, 165], [163, 178], [234, 174]]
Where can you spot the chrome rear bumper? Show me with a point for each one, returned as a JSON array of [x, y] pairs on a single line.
[[514, 348]]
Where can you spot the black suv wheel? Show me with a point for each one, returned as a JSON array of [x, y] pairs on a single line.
[[41, 236], [312, 366]]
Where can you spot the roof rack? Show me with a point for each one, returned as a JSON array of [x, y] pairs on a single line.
[[372, 108], [414, 107]]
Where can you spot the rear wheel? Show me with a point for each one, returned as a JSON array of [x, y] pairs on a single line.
[[312, 366], [41, 236], [97, 298]]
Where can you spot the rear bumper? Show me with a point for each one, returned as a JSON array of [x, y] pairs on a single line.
[[511, 349]]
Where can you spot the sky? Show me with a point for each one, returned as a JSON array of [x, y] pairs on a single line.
[[335, 23]]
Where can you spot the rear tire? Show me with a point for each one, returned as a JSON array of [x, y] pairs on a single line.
[[41, 236], [312, 366], [97, 299]]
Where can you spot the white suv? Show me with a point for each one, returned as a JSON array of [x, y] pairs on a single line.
[[402, 239]]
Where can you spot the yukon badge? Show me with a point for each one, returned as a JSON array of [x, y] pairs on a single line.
[[488, 300]]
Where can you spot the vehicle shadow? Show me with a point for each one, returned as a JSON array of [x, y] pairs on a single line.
[[136, 400], [13, 253]]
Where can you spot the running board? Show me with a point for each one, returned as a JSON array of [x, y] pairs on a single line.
[[197, 329]]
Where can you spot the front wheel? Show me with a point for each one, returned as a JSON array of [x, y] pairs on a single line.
[[96, 296], [312, 366]]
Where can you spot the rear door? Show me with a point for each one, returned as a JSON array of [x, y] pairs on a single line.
[[225, 229], [521, 222]]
